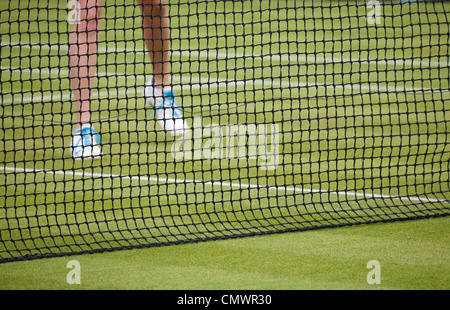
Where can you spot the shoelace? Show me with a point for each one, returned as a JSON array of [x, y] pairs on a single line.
[[86, 136], [169, 102]]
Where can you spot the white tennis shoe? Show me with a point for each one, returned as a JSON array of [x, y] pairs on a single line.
[[167, 111], [85, 143]]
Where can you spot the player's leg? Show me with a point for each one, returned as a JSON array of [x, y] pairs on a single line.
[[83, 63], [156, 33], [158, 91]]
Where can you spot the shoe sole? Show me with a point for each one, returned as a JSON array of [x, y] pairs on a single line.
[[87, 157]]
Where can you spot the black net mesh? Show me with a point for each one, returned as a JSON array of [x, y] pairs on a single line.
[[130, 124]]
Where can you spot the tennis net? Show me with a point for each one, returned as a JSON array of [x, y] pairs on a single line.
[[283, 116]]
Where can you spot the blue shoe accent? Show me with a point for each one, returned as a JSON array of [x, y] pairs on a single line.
[[170, 102], [86, 137]]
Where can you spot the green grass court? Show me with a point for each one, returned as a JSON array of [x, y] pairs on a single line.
[[364, 136], [413, 256]]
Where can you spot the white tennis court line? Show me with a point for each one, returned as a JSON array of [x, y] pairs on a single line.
[[190, 83], [212, 55], [164, 180], [220, 83]]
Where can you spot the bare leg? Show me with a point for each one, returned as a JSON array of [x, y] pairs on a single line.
[[83, 56], [155, 23]]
